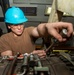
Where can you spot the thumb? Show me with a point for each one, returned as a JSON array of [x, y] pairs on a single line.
[[56, 35]]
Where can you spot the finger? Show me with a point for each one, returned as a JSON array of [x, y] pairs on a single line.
[[64, 39], [56, 34], [61, 25], [41, 55], [70, 31], [68, 26]]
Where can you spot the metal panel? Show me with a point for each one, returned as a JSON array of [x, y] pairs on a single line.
[[33, 1], [40, 5], [1, 12]]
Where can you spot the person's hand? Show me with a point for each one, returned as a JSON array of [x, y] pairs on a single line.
[[54, 28], [40, 53]]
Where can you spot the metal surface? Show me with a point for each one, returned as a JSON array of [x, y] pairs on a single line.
[[54, 63], [68, 57]]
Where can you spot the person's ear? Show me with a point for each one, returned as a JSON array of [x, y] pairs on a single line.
[[9, 27]]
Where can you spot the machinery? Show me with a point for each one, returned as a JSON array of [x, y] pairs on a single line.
[[25, 65], [56, 62], [30, 64]]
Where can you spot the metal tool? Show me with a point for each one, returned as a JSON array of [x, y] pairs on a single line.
[[63, 33], [12, 64], [39, 69], [25, 62], [32, 62], [24, 67]]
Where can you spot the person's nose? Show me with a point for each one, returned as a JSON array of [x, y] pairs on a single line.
[[19, 26]]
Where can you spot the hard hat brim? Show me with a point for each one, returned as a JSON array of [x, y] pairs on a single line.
[[17, 21]]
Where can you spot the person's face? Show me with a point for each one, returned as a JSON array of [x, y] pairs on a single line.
[[17, 29]]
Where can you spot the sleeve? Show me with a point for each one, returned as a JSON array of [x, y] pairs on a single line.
[[4, 44]]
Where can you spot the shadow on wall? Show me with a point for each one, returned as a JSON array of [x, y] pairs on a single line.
[[1, 32], [68, 19]]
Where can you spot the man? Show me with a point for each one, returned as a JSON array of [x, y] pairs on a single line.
[[22, 39]]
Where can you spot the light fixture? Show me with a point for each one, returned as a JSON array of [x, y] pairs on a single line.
[[47, 10]]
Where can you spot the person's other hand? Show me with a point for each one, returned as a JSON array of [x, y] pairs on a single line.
[[6, 53], [40, 53], [54, 28]]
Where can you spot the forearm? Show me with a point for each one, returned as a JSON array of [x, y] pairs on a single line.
[[42, 29], [6, 53], [53, 29]]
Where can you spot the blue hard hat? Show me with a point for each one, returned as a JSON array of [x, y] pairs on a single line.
[[15, 15]]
